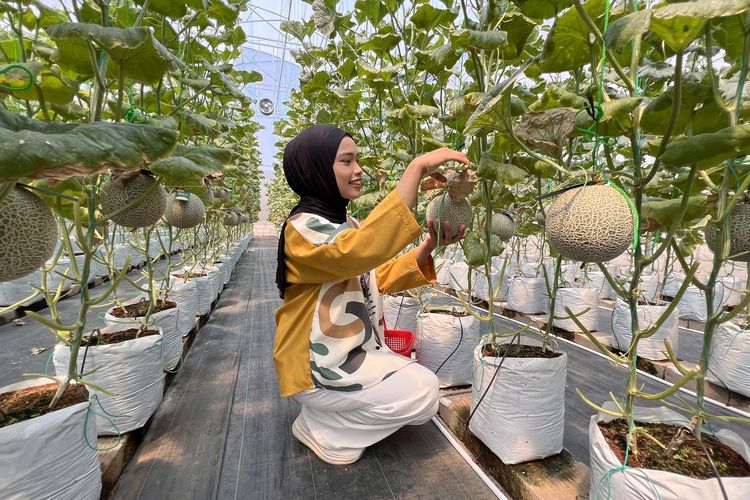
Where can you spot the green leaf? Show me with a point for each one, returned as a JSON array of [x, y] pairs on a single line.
[[474, 246], [471, 39], [728, 33], [657, 214], [657, 113], [518, 27], [169, 8], [494, 112], [556, 97], [53, 150], [325, 18], [297, 29], [381, 43], [225, 14], [438, 59], [616, 118], [491, 167], [567, 47], [370, 11], [140, 55], [709, 149], [542, 9], [191, 163], [56, 89], [196, 124], [18, 75], [427, 17], [676, 23]]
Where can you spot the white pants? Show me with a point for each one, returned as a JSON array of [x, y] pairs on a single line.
[[355, 420]]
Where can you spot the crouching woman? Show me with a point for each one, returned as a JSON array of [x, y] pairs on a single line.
[[329, 351]]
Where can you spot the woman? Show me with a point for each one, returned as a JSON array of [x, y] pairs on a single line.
[[328, 349]]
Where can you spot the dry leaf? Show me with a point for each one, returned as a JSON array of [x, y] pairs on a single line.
[[461, 184], [18, 322], [37, 350]]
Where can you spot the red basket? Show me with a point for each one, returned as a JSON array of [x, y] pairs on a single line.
[[399, 341]]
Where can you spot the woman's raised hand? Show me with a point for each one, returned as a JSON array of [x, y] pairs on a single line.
[[429, 162]]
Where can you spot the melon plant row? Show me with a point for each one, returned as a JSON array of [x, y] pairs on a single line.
[[607, 137], [127, 138]]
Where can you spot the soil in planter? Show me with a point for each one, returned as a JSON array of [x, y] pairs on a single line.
[[517, 351], [25, 404], [140, 308], [187, 276], [116, 337], [689, 460]]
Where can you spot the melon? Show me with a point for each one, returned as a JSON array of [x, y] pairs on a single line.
[[116, 194], [231, 219], [184, 213], [244, 218], [208, 198], [590, 223], [739, 234], [539, 217], [443, 208], [28, 234], [503, 225], [222, 194]]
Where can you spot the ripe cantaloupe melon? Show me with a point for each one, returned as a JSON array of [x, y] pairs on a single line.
[[222, 194], [116, 194], [28, 234], [184, 214], [739, 234], [231, 219], [503, 225], [590, 224], [445, 209], [208, 198]]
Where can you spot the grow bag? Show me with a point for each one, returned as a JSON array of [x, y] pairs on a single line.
[[459, 276], [522, 416], [442, 269], [673, 284], [729, 363], [652, 347], [47, 457], [401, 312], [693, 302], [204, 290], [444, 345], [636, 483], [185, 295], [167, 321], [527, 295], [131, 369], [600, 284], [578, 300]]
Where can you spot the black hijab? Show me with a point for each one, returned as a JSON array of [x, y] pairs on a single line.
[[308, 168]]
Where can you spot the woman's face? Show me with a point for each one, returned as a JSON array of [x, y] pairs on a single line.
[[347, 170]]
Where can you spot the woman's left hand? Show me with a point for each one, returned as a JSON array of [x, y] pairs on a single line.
[[431, 241]]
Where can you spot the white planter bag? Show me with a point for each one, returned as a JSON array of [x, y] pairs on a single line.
[[48, 457], [166, 320], [673, 284], [204, 292], [131, 369], [522, 417], [527, 295], [439, 335], [650, 348], [401, 312], [729, 363], [531, 270], [578, 300], [647, 484], [442, 269], [730, 290], [693, 302], [459, 279], [185, 295], [650, 287], [599, 283]]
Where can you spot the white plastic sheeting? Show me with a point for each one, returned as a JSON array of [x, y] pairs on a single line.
[[443, 269], [439, 335], [131, 369], [652, 347], [693, 302], [481, 285], [673, 284], [731, 290], [643, 484], [166, 320], [401, 312], [527, 295], [729, 363], [599, 283], [578, 300], [47, 457], [522, 417], [649, 287], [459, 276]]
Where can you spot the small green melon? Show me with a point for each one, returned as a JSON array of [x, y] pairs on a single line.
[[503, 225], [443, 208], [184, 213], [231, 219], [590, 224], [115, 194], [739, 234], [208, 198], [28, 234], [222, 193]]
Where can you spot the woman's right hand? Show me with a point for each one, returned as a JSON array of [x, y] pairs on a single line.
[[427, 163]]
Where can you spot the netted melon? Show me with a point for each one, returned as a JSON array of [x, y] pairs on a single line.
[[141, 211], [503, 225], [231, 219], [184, 213], [222, 194], [443, 208], [739, 234], [590, 224], [28, 234], [208, 198], [244, 218]]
